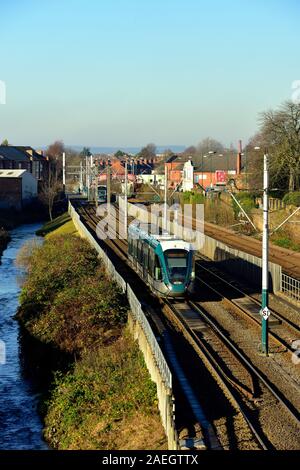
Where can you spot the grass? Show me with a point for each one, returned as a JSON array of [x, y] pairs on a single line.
[[285, 242], [68, 228], [106, 400], [53, 225]]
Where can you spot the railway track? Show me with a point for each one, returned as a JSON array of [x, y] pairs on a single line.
[[245, 304], [233, 369], [289, 260], [247, 388]]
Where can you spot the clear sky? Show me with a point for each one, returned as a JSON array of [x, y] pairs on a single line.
[[129, 72]]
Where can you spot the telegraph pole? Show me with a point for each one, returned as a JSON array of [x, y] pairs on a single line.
[[126, 193], [165, 198], [64, 171], [96, 185], [265, 313], [108, 185], [81, 178], [87, 177]]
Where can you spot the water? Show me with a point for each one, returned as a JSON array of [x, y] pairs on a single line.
[[20, 425]]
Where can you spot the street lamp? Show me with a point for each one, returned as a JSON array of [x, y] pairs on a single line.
[[203, 156]]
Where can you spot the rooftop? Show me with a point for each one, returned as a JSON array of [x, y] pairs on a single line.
[[12, 173], [19, 153]]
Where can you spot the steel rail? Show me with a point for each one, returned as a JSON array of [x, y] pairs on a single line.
[[226, 382], [276, 314], [289, 407]]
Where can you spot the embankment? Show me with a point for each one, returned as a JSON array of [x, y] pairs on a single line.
[[105, 399]]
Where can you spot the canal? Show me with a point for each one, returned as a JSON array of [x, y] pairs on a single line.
[[20, 424]]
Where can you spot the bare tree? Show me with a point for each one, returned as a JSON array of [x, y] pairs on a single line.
[[209, 144], [52, 184], [54, 153], [280, 130], [148, 152], [49, 191], [191, 150]]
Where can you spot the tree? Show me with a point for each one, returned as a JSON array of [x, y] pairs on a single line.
[[56, 149], [191, 150], [5, 142], [52, 185], [50, 189], [85, 152], [148, 152], [54, 153], [280, 130], [208, 144], [120, 154]]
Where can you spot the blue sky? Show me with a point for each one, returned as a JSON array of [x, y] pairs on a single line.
[[129, 72]]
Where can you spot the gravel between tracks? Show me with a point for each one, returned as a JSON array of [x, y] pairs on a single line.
[[277, 424]]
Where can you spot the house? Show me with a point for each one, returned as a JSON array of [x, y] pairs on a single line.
[[23, 157], [215, 170], [174, 169], [206, 171], [17, 188]]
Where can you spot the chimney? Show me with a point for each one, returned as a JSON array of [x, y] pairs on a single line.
[[239, 158]]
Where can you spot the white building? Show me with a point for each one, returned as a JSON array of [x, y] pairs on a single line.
[[188, 176], [153, 179], [17, 189]]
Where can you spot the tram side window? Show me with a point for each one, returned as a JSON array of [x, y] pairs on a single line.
[[130, 246], [151, 262], [134, 242], [139, 251], [146, 251], [157, 269]]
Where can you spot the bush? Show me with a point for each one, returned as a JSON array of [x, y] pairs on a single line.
[[193, 197], [67, 299], [54, 265], [292, 198], [83, 313], [246, 200], [92, 406]]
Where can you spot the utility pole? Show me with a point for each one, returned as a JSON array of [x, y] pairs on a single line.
[[265, 313], [64, 171], [108, 185], [81, 178], [96, 185], [166, 198], [87, 177], [125, 198]]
